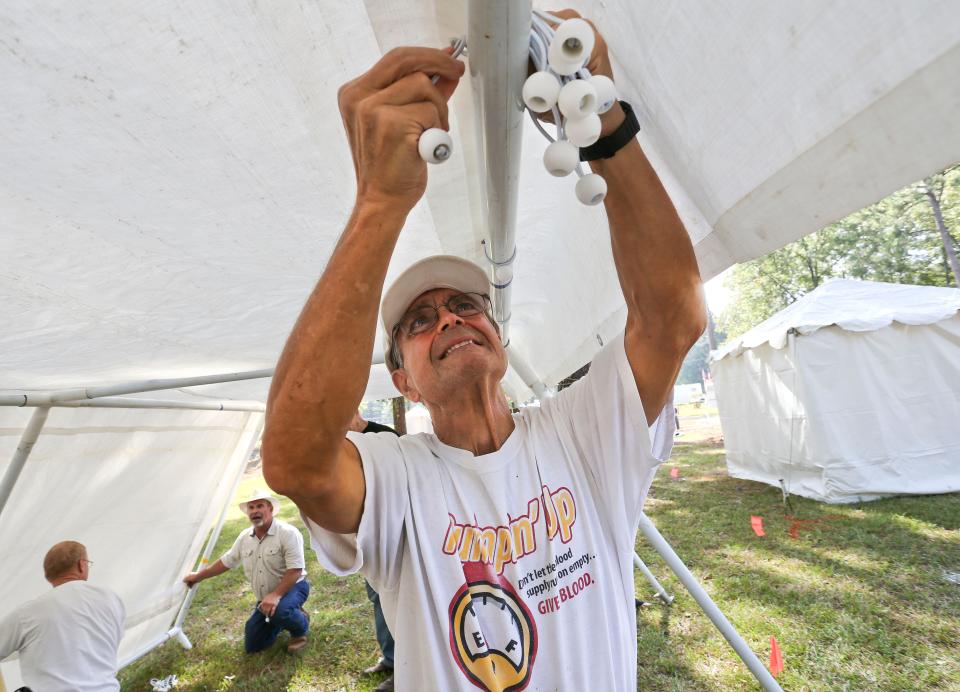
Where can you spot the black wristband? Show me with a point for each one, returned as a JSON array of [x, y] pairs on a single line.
[[606, 147]]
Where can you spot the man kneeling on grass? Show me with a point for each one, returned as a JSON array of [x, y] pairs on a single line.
[[272, 558]]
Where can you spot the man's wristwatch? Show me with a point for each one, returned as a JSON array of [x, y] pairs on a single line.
[[606, 147]]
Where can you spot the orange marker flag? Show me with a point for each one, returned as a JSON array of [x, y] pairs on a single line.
[[757, 524], [674, 472], [776, 658]]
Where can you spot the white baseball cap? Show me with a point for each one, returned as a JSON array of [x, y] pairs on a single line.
[[439, 271]]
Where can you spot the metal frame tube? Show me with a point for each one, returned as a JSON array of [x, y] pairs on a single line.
[[149, 646], [661, 592], [124, 402], [53, 397], [61, 396], [27, 440], [498, 38], [529, 377], [660, 544], [215, 535]]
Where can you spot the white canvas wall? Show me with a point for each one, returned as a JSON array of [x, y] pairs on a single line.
[[140, 489], [842, 416]]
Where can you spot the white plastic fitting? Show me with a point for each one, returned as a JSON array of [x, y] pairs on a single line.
[[571, 46], [435, 145], [562, 67], [561, 158], [540, 91], [591, 189], [583, 132], [577, 99], [606, 92]]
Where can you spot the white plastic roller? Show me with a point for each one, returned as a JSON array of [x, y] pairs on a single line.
[[435, 145], [561, 158], [591, 189], [571, 46], [577, 99], [540, 91], [606, 92], [583, 132]]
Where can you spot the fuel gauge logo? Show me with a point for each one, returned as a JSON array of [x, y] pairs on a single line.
[[492, 634]]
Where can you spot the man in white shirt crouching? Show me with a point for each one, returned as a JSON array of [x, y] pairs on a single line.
[[67, 638]]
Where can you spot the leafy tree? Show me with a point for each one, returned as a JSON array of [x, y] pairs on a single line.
[[908, 237], [697, 361]]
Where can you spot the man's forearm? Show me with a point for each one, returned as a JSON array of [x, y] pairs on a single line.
[[655, 261], [323, 371], [290, 577], [216, 569]]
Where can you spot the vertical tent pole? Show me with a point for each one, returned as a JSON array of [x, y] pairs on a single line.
[[251, 431], [660, 544], [27, 441]]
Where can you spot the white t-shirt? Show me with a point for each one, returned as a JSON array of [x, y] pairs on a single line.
[[67, 639], [514, 569]]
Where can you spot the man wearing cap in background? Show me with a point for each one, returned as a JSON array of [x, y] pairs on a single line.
[[272, 557], [68, 637], [502, 545]]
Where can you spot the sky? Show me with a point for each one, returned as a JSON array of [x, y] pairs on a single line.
[[717, 295]]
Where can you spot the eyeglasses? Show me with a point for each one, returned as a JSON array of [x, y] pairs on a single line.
[[89, 562], [424, 317]]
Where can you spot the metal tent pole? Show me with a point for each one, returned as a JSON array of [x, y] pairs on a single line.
[[27, 440], [51, 397], [125, 402], [252, 436], [498, 38], [661, 592], [660, 544]]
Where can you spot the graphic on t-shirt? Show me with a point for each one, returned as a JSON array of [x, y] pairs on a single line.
[[492, 633], [500, 545]]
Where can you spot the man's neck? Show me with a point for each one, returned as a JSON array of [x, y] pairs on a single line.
[[261, 531], [60, 581], [476, 419]]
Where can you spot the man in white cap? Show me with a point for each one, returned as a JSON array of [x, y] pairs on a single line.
[[502, 545], [272, 558]]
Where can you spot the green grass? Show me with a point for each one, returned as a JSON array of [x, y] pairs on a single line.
[[856, 601]]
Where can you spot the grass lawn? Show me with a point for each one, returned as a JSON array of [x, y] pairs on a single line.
[[857, 601]]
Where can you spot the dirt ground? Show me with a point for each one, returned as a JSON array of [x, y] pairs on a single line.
[[699, 426]]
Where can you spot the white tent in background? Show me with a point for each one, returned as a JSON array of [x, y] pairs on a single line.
[[174, 178], [851, 393]]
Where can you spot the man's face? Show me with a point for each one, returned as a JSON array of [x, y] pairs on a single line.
[[454, 352], [260, 512]]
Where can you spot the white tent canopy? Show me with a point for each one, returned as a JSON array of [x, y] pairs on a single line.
[[175, 178], [851, 393]]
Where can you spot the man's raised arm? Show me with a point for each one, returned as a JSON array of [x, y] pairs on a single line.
[[323, 371], [658, 271]]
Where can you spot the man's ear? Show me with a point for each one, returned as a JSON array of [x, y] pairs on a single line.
[[401, 380]]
